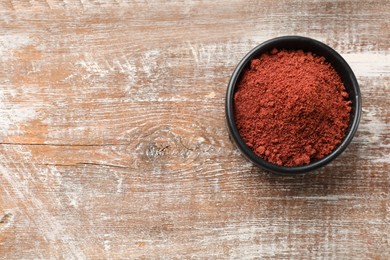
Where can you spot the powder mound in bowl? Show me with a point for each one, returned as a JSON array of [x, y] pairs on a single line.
[[291, 107]]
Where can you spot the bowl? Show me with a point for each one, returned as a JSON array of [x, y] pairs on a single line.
[[307, 45]]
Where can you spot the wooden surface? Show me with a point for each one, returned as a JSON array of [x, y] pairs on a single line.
[[113, 140]]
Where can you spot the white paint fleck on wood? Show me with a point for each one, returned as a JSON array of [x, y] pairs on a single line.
[[369, 64], [9, 43]]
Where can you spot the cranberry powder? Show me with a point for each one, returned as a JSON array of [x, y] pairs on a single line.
[[291, 107]]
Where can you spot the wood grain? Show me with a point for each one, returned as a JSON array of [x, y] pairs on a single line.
[[113, 142]]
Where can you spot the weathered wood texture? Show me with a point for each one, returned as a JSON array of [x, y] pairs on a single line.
[[113, 141]]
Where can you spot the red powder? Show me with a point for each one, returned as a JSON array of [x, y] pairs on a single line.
[[291, 107]]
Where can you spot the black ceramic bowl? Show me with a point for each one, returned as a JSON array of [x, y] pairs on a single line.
[[320, 49]]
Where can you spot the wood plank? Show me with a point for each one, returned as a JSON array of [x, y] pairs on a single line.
[[113, 140]]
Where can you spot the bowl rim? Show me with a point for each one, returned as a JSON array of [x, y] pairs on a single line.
[[229, 108]]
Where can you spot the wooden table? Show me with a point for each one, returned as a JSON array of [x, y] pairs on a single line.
[[113, 140]]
